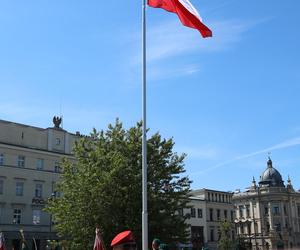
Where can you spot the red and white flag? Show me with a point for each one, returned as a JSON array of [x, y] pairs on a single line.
[[98, 242], [186, 12]]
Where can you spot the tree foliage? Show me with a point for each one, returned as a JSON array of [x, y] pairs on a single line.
[[225, 241], [104, 188]]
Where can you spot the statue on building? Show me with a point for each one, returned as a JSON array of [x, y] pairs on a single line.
[[57, 121]]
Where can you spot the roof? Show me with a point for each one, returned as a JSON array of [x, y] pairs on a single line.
[[271, 177]]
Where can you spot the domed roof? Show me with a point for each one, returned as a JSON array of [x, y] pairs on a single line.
[[271, 177]]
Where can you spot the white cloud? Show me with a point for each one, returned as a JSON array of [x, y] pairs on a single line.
[[285, 144], [205, 152], [172, 39], [288, 143], [159, 74]]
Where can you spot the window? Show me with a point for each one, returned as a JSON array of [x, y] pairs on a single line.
[[212, 234], [249, 228], [208, 196], [200, 215], [38, 190], [1, 186], [193, 212], [286, 224], [57, 141], [298, 209], [40, 164], [56, 167], [278, 227], [1, 159], [284, 209], [57, 194], [266, 211], [36, 217], [218, 214], [241, 211], [242, 229], [19, 188], [225, 214], [219, 233], [211, 217], [255, 227], [231, 215], [17, 216], [247, 211], [276, 210], [21, 161]]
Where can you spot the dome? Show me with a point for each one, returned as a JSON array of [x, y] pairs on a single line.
[[271, 177]]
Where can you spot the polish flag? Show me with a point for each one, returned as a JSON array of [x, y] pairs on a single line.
[[186, 12]]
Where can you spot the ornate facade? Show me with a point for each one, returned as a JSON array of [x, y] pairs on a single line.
[[267, 215]]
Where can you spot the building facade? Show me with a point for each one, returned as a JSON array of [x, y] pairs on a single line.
[[268, 214], [29, 168], [209, 209]]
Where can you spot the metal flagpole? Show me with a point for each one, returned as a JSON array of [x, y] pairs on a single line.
[[144, 139]]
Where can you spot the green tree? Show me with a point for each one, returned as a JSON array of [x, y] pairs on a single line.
[[225, 242], [104, 187]]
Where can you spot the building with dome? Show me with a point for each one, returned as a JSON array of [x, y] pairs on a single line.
[[267, 215]]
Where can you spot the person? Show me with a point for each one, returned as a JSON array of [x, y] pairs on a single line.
[[124, 241], [155, 244]]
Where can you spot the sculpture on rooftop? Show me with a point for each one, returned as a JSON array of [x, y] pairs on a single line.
[[57, 121]]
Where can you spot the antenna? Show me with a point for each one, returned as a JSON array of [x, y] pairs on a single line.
[[60, 113]]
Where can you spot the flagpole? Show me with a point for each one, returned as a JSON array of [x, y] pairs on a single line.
[[144, 139]]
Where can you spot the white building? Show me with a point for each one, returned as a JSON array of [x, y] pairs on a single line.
[[29, 168], [210, 208], [268, 214]]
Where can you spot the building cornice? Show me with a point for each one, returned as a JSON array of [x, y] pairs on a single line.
[[35, 150]]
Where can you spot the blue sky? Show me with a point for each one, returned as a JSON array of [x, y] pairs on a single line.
[[227, 101]]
